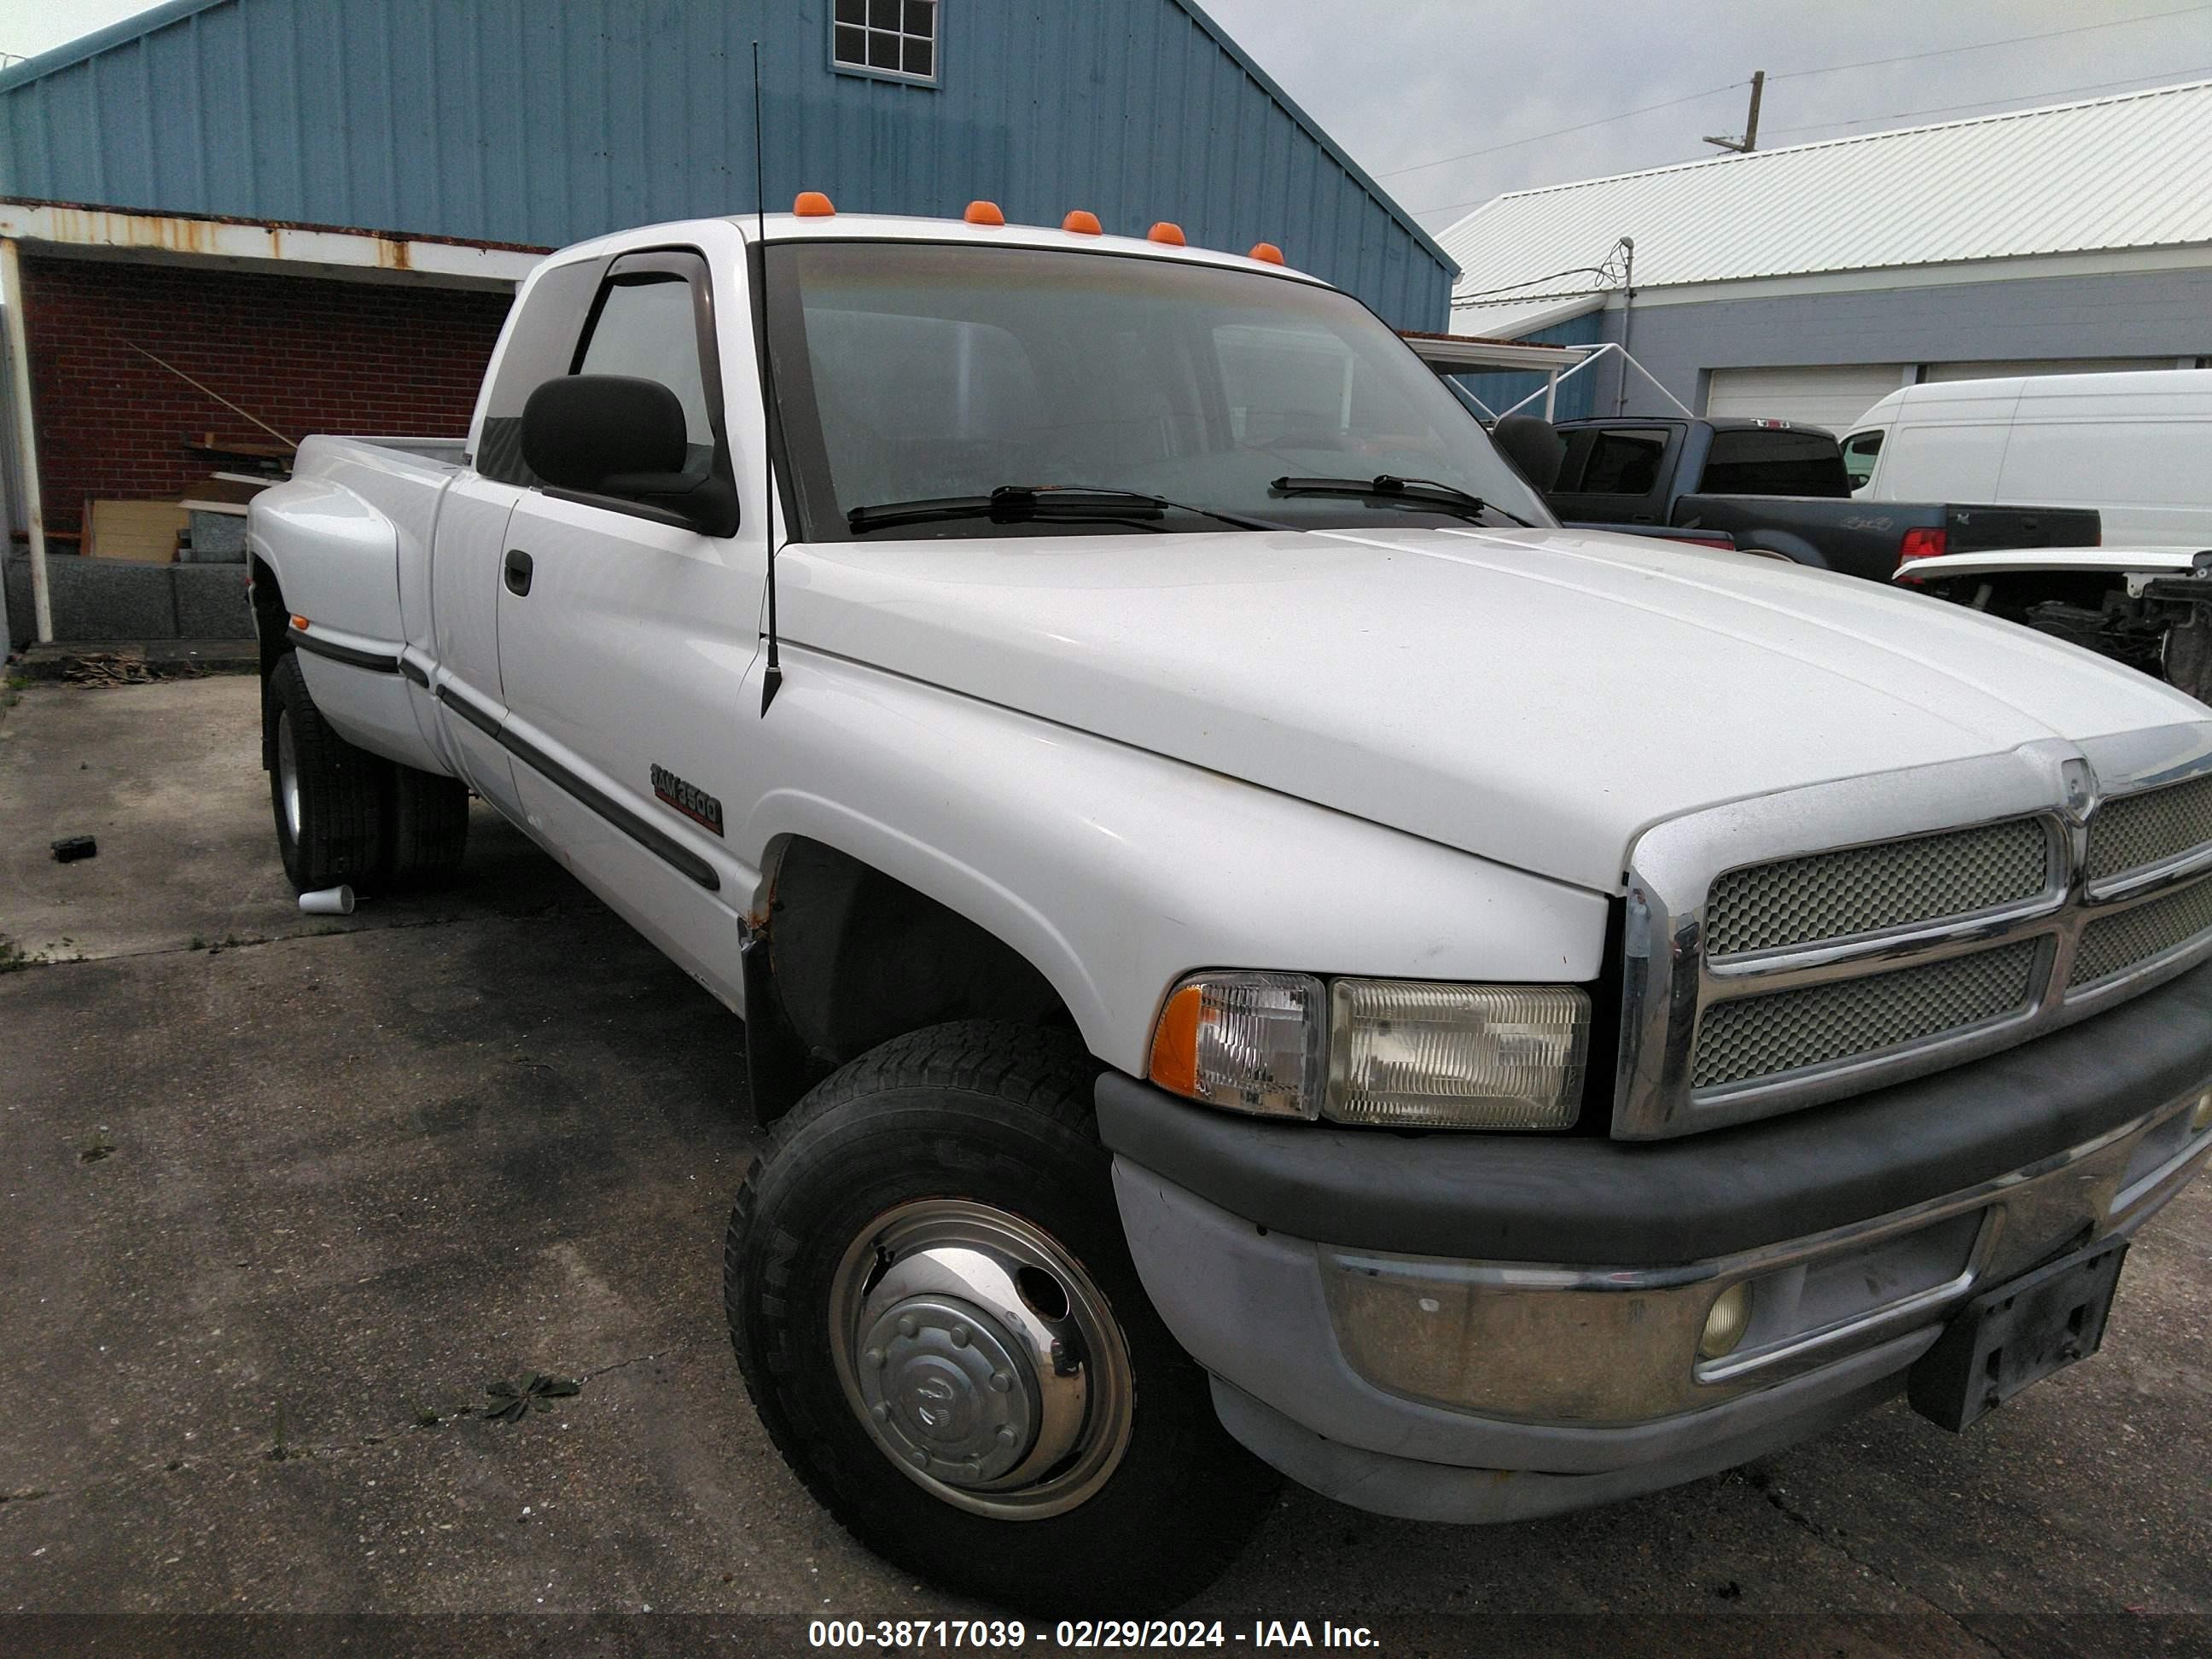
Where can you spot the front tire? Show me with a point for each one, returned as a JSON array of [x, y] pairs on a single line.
[[327, 796], [943, 1334]]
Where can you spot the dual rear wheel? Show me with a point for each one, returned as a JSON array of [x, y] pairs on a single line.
[[344, 815]]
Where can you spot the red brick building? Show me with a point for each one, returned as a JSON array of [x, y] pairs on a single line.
[[303, 354]]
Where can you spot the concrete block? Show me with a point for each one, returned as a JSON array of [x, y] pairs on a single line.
[[22, 626], [218, 538], [211, 602], [111, 600]]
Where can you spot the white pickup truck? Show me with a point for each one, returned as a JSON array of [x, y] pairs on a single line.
[[1260, 952]]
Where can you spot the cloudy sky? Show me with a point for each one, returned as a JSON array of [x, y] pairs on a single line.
[[1444, 101]]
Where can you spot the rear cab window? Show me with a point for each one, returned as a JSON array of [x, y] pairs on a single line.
[[1773, 461]]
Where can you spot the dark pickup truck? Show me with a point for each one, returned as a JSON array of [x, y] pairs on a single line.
[[1773, 486]]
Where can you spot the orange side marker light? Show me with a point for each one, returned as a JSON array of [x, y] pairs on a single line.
[[1174, 1046]]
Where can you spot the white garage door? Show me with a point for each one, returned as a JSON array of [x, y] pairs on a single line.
[[1832, 395], [2004, 370]]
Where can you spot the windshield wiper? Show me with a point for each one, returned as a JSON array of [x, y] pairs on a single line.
[[1405, 492], [1038, 503]]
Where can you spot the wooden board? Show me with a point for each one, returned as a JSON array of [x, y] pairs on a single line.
[[143, 532]]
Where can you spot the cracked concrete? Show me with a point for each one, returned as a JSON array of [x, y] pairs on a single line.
[[372, 1164]]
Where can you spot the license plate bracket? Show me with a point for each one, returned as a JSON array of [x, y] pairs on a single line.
[[2017, 1333]]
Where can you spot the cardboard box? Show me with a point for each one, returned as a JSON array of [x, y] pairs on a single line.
[[143, 532]]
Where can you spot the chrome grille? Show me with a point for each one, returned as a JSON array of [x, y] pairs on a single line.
[[1753, 1037], [1863, 890], [2113, 945], [1763, 970], [2131, 831]]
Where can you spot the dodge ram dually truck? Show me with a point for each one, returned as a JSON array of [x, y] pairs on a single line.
[[1258, 951], [1774, 486]]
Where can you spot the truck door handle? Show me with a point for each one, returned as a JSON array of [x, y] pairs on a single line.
[[517, 571]]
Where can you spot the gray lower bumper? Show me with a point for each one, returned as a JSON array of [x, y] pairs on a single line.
[[1484, 1391]]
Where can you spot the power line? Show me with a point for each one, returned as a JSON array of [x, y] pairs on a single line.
[[1907, 114], [1794, 75], [1535, 138], [2162, 77], [1985, 46]]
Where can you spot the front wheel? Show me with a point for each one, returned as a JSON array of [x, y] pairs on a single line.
[[938, 1317]]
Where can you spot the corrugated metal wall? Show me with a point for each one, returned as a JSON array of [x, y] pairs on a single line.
[[1576, 397], [528, 121]]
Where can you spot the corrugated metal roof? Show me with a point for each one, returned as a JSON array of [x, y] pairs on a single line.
[[525, 121], [2131, 171]]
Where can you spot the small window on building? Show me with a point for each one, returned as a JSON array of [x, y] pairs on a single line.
[[895, 38]]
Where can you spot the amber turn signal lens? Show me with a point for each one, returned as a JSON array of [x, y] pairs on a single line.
[[1175, 1044], [1164, 232], [984, 213], [299, 623], [1082, 223], [812, 205], [1266, 252]]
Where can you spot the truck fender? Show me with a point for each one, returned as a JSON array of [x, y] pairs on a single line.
[[1111, 872]]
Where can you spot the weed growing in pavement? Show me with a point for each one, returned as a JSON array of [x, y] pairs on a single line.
[[97, 1147], [513, 1401]]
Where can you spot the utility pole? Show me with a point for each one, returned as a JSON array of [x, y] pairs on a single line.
[[1749, 142]]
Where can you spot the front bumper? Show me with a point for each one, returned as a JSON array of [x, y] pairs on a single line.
[[1488, 1384]]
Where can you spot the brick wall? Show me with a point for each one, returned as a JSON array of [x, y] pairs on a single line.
[[306, 355]]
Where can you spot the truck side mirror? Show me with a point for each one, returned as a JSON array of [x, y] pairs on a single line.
[[582, 429], [620, 441]]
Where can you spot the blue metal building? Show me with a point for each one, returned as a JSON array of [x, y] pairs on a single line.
[[526, 122]]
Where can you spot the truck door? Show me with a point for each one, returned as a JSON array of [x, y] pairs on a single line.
[[625, 642], [470, 539]]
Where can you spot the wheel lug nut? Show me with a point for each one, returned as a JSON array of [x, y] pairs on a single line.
[[1005, 1435], [919, 1459], [959, 1336], [880, 1411], [908, 1324], [1000, 1381], [873, 1359]]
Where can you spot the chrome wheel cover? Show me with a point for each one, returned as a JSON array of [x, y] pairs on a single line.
[[981, 1360]]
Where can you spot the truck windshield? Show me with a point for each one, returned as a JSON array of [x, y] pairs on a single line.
[[917, 373]]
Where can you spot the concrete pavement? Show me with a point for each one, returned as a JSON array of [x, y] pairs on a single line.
[[307, 1188]]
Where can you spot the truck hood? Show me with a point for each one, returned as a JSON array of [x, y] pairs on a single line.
[[1536, 697]]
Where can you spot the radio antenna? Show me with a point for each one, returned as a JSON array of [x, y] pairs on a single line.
[[772, 676]]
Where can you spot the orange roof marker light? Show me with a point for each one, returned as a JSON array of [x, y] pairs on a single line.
[[1267, 253], [1164, 232], [984, 213], [812, 205], [1083, 223]]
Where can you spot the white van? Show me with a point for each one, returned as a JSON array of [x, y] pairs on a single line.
[[2137, 446]]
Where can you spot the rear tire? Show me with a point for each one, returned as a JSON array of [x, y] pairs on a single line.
[[327, 796], [426, 830], [877, 1186]]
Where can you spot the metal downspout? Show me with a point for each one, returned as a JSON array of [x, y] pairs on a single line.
[[27, 442]]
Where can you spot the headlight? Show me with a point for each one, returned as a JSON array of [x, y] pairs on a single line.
[[1401, 1053]]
